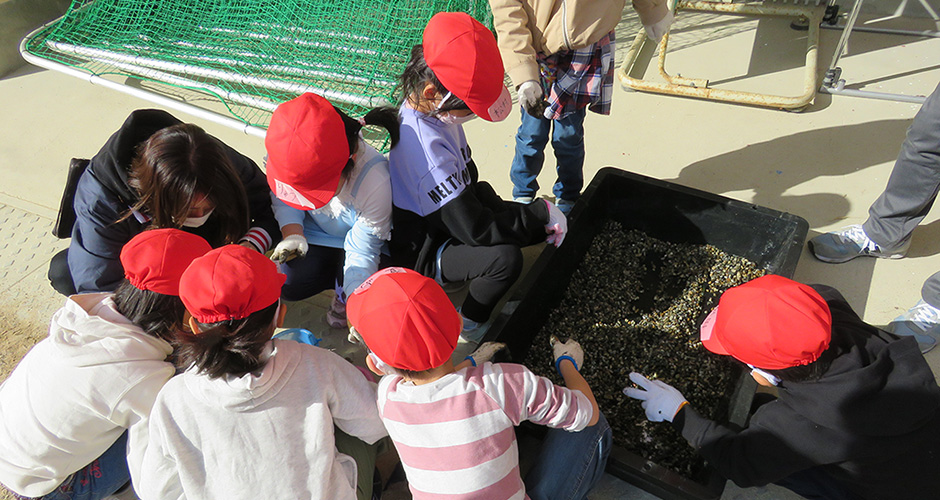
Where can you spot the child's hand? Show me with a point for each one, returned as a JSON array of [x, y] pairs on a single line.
[[292, 246], [557, 225], [569, 349], [485, 352]]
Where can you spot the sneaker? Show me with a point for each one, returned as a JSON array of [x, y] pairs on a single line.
[[850, 242], [523, 199], [473, 332], [565, 206], [921, 322], [336, 316]]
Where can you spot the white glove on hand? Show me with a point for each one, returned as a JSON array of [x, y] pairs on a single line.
[[290, 247], [569, 349], [530, 97], [485, 352], [656, 30], [660, 400], [557, 225]]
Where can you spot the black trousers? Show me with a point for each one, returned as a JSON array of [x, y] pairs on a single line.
[[59, 275], [491, 271]]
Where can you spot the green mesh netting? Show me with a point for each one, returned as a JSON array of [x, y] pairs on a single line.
[[250, 54]]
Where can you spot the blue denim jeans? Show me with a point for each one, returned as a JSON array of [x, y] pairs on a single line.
[[99, 479], [568, 143], [570, 463]]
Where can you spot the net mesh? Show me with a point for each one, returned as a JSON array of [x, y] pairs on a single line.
[[247, 54]]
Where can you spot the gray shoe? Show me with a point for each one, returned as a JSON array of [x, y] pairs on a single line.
[[850, 242], [921, 322]]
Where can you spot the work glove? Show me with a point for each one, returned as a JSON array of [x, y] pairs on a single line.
[[569, 349], [485, 352], [660, 400], [290, 247], [656, 30], [557, 225], [354, 337], [530, 97]]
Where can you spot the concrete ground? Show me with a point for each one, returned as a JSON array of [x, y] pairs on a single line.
[[825, 164]]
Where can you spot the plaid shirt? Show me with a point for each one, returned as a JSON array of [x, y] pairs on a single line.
[[578, 78]]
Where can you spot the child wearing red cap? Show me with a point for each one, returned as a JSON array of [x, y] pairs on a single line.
[[73, 414], [253, 417], [331, 196], [448, 224], [453, 426], [858, 410]]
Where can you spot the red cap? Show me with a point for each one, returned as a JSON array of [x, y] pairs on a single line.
[[230, 283], [463, 55], [771, 322], [154, 260], [307, 150], [405, 318]]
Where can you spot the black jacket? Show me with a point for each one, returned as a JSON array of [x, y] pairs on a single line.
[[872, 421], [103, 196], [476, 217]]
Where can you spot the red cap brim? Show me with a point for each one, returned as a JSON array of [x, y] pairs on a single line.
[[707, 334]]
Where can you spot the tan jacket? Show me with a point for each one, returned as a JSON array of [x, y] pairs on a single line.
[[527, 27]]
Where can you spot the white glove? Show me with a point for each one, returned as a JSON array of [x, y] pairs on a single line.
[[485, 352], [354, 337], [292, 246], [660, 400], [656, 30], [530, 97], [569, 349], [557, 225]]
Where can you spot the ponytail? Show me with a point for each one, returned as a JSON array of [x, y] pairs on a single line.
[[387, 118]]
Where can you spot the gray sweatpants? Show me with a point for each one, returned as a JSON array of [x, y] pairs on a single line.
[[912, 189]]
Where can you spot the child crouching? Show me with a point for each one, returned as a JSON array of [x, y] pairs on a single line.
[[453, 426], [252, 417]]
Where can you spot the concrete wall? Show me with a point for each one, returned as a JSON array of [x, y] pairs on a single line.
[[19, 17]]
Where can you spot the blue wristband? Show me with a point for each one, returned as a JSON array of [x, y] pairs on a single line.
[[473, 362], [569, 358]]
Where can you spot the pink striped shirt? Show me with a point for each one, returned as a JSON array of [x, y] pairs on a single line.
[[455, 435]]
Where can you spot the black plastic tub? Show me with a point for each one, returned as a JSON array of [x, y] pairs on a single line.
[[771, 239]]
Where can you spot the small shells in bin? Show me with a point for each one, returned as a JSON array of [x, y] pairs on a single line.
[[635, 304]]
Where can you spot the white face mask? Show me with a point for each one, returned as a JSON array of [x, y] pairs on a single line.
[[449, 119], [197, 221], [767, 376]]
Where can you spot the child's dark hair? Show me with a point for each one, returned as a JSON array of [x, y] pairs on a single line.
[[809, 372], [413, 79], [174, 165], [228, 347], [384, 116], [156, 314]]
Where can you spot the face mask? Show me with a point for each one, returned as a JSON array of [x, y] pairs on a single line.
[[380, 365], [769, 377], [197, 221], [449, 119]]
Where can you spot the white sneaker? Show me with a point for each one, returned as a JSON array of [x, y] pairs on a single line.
[[850, 242], [921, 322]]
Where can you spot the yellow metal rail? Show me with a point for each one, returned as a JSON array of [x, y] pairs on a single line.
[[698, 87]]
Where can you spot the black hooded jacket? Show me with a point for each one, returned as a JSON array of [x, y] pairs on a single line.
[[872, 421], [103, 196]]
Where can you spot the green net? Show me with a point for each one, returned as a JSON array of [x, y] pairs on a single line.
[[249, 55]]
